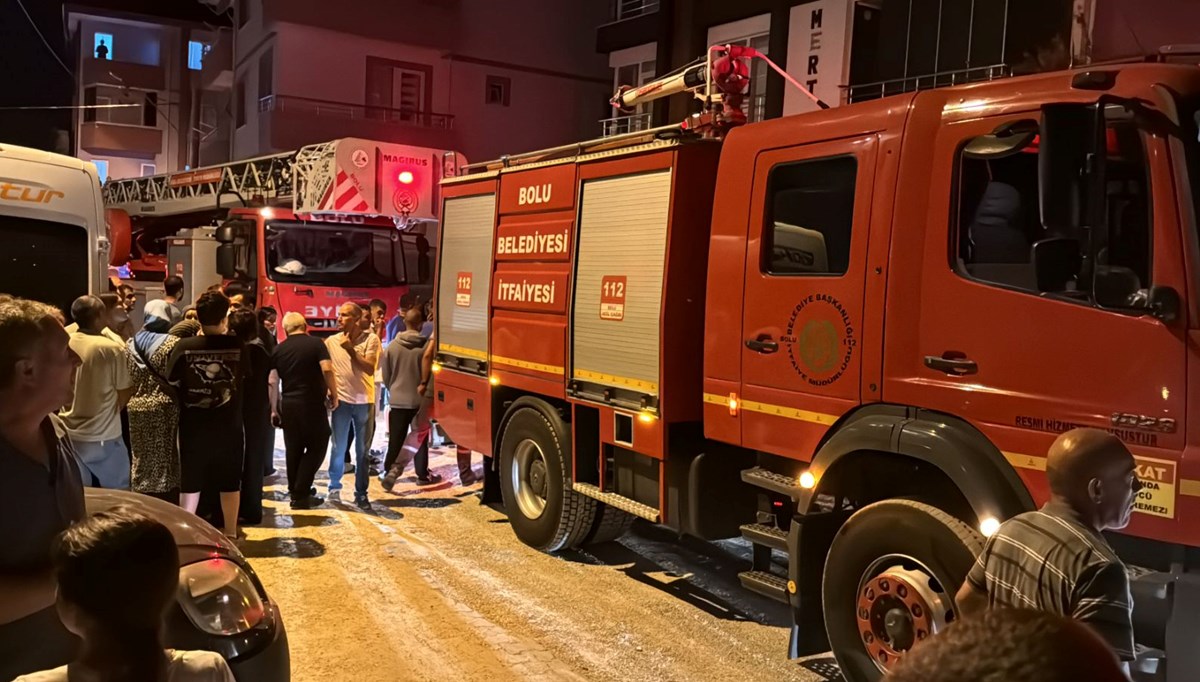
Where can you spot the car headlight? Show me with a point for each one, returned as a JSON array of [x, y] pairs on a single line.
[[219, 597]]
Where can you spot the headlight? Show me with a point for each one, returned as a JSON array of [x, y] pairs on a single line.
[[219, 598]]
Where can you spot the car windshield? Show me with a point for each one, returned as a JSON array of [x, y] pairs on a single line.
[[334, 255]]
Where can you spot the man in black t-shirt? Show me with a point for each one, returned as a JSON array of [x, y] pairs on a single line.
[[208, 372], [302, 364]]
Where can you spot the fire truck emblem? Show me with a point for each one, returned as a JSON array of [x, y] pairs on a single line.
[[360, 159], [820, 339], [405, 201]]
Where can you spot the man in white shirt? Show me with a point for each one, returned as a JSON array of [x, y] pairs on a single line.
[[355, 355], [102, 388]]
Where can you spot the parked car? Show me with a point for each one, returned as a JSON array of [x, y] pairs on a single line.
[[222, 606]]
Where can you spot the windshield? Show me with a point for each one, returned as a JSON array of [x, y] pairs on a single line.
[[44, 260], [334, 255]]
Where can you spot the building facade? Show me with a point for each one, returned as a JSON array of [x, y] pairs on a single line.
[[140, 84], [477, 76]]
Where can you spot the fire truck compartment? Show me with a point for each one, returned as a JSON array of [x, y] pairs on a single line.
[[462, 406], [619, 283], [464, 281]]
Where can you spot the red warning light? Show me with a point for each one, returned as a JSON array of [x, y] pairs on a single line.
[[405, 177]]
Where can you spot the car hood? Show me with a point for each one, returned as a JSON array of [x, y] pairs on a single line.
[[189, 530]]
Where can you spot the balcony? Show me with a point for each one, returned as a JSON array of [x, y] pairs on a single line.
[[287, 122], [99, 137], [634, 22], [619, 125], [126, 74]]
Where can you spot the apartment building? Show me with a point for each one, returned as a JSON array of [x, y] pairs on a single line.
[[482, 77], [139, 77]]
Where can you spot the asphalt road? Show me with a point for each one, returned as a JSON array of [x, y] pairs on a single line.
[[433, 585]]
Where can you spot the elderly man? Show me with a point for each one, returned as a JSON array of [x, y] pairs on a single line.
[[303, 366], [1055, 559], [355, 354], [103, 386], [44, 493]]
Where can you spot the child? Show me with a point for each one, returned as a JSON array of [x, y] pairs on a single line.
[[117, 573]]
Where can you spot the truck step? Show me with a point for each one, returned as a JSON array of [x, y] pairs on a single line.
[[766, 584], [621, 502], [776, 483], [768, 536]]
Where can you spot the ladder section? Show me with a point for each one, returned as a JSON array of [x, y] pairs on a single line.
[[224, 186]]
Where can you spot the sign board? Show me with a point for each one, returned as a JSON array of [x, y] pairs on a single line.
[[539, 292], [1157, 496], [819, 35], [612, 297], [463, 291], [196, 177], [548, 240], [540, 189]]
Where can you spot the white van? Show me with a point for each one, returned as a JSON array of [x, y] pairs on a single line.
[[53, 246]]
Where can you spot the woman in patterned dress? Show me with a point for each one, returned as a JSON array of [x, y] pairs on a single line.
[[153, 413]]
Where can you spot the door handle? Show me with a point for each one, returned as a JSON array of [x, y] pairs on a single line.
[[302, 292], [952, 363], [762, 344]]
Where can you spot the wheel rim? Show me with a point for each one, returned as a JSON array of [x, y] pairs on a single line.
[[900, 604], [529, 478]]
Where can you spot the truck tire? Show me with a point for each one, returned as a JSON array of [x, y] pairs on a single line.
[[890, 580], [543, 510], [611, 523]]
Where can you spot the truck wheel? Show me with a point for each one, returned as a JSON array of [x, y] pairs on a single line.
[[889, 582], [611, 523], [544, 511]]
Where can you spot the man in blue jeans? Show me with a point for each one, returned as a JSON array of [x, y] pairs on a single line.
[[355, 354]]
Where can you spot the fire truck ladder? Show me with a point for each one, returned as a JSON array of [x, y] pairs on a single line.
[[312, 173], [232, 184]]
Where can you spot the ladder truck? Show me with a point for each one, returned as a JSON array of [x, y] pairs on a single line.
[[343, 221], [824, 333]]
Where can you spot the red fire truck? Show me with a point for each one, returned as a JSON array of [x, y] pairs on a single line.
[[849, 336], [347, 220]]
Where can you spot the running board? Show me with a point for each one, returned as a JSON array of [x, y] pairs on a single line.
[[767, 584], [776, 483], [621, 502], [768, 536]]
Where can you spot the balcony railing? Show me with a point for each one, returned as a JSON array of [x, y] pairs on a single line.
[[869, 91], [619, 125], [628, 9], [346, 110]]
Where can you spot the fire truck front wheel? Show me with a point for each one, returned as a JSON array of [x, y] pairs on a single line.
[[543, 510], [889, 582]]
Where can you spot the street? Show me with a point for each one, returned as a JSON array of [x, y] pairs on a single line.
[[433, 586]]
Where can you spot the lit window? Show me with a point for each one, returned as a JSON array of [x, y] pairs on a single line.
[[148, 169], [103, 46], [101, 169], [196, 52]]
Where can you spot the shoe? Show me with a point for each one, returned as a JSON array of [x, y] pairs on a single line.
[[270, 472], [468, 480], [362, 502], [310, 502], [429, 480], [335, 495], [374, 471], [388, 481], [350, 468]]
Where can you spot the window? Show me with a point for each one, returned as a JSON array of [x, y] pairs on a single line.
[[266, 74], [755, 103], [1000, 236], [497, 91], [196, 52], [810, 213], [101, 169], [148, 169], [240, 113], [102, 45]]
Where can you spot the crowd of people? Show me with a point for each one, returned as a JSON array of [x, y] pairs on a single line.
[[1047, 599]]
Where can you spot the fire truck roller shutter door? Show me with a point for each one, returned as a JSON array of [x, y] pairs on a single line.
[[622, 241], [464, 280]]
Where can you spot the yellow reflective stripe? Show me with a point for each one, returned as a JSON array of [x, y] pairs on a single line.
[[716, 399], [549, 369], [465, 352], [1189, 487], [1023, 461], [624, 382], [789, 412]]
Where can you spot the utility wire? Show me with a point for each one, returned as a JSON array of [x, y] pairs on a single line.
[[44, 41], [70, 106]]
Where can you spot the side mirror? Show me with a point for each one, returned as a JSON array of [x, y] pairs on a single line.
[[1069, 138], [226, 234], [227, 261], [1164, 303], [1056, 263]]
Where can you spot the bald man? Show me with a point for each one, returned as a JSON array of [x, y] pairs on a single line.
[[1055, 559]]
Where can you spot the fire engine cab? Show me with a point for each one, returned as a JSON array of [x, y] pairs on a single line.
[[347, 220], [849, 336]]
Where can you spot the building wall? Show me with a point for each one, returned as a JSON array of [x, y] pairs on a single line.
[[1126, 28]]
